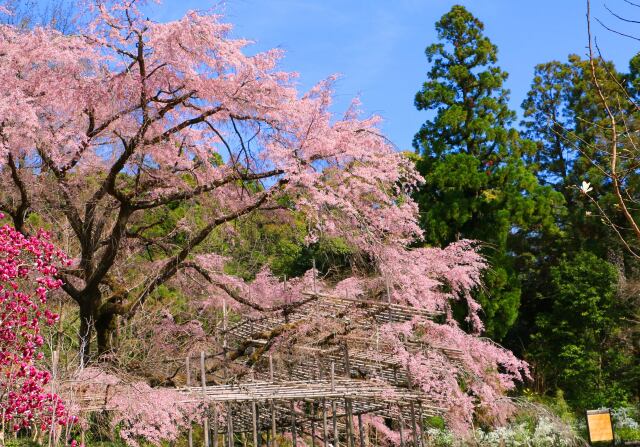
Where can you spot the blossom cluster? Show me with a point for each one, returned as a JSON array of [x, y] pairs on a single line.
[[27, 275]]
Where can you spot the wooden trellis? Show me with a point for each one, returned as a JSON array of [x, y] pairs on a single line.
[[323, 393], [321, 410]]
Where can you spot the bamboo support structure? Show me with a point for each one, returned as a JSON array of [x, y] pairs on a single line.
[[322, 392]]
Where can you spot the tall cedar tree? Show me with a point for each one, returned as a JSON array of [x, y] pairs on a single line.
[[478, 184]]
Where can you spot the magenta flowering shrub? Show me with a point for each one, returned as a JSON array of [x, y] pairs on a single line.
[[27, 275]]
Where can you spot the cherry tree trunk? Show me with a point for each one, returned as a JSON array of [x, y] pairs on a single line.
[[94, 319], [88, 308], [106, 331]]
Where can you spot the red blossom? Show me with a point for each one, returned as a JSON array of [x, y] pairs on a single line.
[[27, 266]]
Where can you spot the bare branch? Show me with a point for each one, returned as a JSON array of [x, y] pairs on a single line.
[[616, 31], [174, 263], [181, 195], [112, 246], [614, 132], [619, 17], [19, 213], [183, 125]]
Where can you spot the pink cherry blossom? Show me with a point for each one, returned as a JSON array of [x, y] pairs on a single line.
[[128, 117]]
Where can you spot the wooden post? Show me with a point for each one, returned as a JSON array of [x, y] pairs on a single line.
[[334, 420], [401, 422], [314, 278], [230, 439], [273, 425], [333, 377], [293, 424], [313, 425], [351, 436], [215, 425], [284, 290], [273, 406], [336, 434], [52, 429], [361, 430], [347, 364], [325, 435], [414, 426], [203, 384], [347, 403], [188, 372], [224, 325], [255, 423], [386, 280], [421, 417]]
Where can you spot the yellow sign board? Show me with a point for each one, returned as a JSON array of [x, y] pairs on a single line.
[[599, 426]]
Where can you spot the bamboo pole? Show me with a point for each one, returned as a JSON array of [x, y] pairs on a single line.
[[293, 424], [255, 423], [414, 426], [386, 281], [215, 425], [224, 325], [347, 402], [188, 372], [273, 406], [421, 417], [203, 382], [315, 291], [350, 434], [230, 439], [313, 425], [333, 376], [325, 435], [347, 363], [336, 434], [361, 430]]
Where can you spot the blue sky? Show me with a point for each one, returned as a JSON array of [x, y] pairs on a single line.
[[377, 46]]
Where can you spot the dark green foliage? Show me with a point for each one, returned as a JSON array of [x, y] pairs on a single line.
[[552, 293], [478, 185], [563, 116], [576, 344]]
